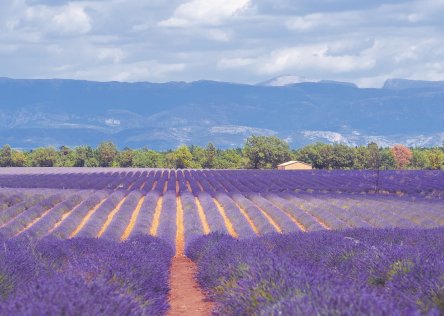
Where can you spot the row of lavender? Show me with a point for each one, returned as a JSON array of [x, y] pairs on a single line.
[[84, 277], [247, 180], [86, 213], [353, 272]]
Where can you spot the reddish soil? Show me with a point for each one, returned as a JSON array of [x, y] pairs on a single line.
[[186, 298]]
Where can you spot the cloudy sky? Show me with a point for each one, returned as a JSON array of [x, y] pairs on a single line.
[[245, 41]]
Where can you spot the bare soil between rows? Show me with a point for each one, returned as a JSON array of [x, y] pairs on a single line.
[[186, 297]]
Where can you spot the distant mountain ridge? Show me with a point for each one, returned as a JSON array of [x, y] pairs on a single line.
[[164, 115]]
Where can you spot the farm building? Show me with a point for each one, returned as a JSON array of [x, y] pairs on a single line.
[[294, 165]]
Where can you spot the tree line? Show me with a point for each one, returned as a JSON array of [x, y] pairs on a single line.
[[258, 152]]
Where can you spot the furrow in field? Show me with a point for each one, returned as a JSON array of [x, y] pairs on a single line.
[[145, 217], [299, 217], [73, 219], [120, 220], [31, 215], [110, 217], [156, 219], [29, 225], [189, 186], [180, 242], [133, 219], [59, 222], [270, 219], [46, 224], [9, 214], [203, 218], [213, 216], [294, 220], [316, 217], [167, 222], [86, 218], [64, 216], [248, 218], [131, 185], [227, 221], [261, 223], [277, 216], [200, 186], [192, 223]]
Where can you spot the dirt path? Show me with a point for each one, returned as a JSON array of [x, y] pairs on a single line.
[[186, 298]]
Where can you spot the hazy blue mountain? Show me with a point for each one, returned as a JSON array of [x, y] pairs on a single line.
[[161, 116], [399, 84]]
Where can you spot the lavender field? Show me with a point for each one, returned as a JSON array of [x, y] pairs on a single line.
[[348, 228], [116, 205]]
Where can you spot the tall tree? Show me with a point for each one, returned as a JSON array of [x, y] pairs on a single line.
[[44, 157], [419, 159], [230, 159], [107, 153], [18, 158], [435, 159], [210, 156], [265, 152], [6, 159], [126, 158], [374, 156], [84, 157], [181, 158], [146, 158], [66, 157]]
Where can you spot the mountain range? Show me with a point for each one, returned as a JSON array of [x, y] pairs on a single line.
[[37, 112]]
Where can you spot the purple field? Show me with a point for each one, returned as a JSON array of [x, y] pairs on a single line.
[[267, 242]]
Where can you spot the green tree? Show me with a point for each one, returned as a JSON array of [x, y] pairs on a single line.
[[66, 157], [230, 159], [6, 154], [361, 158], [265, 152], [84, 156], [435, 159], [341, 157], [419, 159], [374, 156], [107, 154], [126, 158], [198, 154], [210, 156], [18, 158], [145, 158], [181, 158], [44, 157], [387, 160]]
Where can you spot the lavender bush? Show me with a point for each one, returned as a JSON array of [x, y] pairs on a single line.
[[351, 272], [84, 277]]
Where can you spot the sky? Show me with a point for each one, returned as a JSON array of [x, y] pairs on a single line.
[[243, 41]]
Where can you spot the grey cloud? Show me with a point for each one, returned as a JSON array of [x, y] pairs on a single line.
[[360, 41]]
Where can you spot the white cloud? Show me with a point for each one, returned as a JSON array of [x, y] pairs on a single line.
[[72, 19], [230, 40], [68, 19], [232, 63], [313, 57], [112, 54], [204, 12], [138, 71], [322, 20]]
